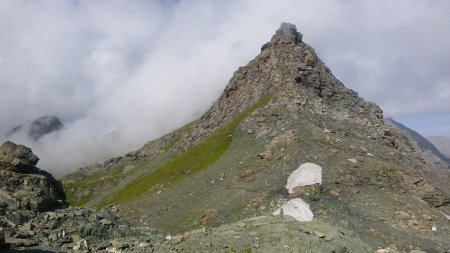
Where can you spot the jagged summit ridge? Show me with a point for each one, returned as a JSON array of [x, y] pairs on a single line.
[[290, 31], [287, 63]]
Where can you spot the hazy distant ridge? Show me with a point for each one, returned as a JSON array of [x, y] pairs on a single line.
[[442, 143], [422, 141]]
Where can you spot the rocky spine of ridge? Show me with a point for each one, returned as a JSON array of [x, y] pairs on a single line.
[[286, 63]]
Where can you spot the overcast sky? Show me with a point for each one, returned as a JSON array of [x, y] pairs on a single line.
[[146, 67]]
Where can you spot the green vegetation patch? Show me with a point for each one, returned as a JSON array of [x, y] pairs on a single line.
[[246, 250], [89, 183], [192, 161]]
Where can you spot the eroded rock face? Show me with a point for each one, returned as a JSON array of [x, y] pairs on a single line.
[[23, 185]]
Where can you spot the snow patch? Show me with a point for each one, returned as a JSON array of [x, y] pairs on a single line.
[[296, 208], [306, 174]]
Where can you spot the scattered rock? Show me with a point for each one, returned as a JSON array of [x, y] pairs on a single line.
[[307, 192], [265, 155], [341, 249], [353, 160], [209, 215], [319, 234], [247, 173], [334, 193], [177, 239]]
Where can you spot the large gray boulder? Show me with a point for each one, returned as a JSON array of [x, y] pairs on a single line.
[[23, 186]]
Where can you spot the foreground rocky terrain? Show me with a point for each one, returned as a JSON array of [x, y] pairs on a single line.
[[57, 228], [212, 185]]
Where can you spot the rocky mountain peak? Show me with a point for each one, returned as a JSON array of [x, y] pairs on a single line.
[[282, 116], [288, 30], [37, 128], [288, 67]]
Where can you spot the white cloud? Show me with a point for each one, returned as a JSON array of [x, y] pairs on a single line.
[[146, 67]]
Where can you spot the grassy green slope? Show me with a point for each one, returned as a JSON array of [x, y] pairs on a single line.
[[82, 189], [89, 183], [192, 161]]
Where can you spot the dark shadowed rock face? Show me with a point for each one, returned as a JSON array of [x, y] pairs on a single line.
[[37, 128], [24, 186]]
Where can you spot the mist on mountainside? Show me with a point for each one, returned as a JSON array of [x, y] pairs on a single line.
[[121, 74]]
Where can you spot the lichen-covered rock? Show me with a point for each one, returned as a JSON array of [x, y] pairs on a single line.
[[17, 157], [24, 186]]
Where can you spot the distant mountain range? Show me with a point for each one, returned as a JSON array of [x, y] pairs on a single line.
[[442, 143], [423, 143]]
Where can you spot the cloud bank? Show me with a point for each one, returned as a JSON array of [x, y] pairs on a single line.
[[137, 69]]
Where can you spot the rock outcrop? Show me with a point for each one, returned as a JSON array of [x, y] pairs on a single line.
[[24, 187]]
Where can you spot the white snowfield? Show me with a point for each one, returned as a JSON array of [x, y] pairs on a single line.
[[306, 174], [296, 208]]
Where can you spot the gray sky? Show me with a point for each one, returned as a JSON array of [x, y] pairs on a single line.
[[146, 67]]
